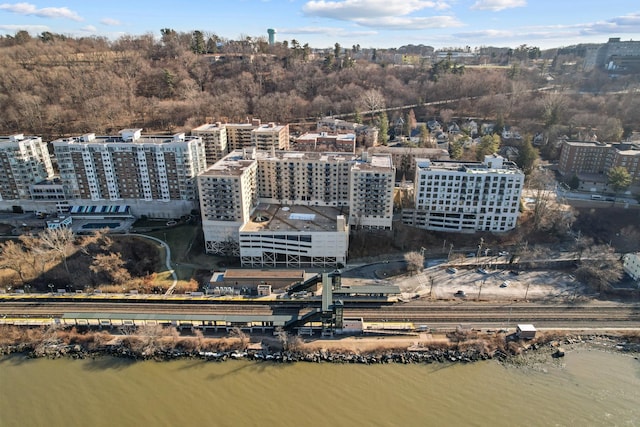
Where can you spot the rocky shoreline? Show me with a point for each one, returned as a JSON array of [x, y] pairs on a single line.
[[553, 346]]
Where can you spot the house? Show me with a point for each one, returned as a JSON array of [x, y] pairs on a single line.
[[433, 125], [487, 128], [453, 128], [470, 127]]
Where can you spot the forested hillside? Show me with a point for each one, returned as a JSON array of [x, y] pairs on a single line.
[[53, 85]]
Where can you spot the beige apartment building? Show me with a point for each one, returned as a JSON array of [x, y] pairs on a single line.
[[214, 138], [24, 162], [156, 175], [292, 208]]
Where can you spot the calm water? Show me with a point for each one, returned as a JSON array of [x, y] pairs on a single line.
[[588, 388]]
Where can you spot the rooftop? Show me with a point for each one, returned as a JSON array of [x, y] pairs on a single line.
[[270, 217]]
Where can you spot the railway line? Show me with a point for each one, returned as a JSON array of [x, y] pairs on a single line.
[[493, 315]]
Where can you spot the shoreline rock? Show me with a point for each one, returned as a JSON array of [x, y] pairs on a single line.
[[421, 355]]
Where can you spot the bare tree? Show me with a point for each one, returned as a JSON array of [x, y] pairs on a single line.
[[372, 100], [60, 241], [112, 265], [241, 336], [600, 267], [415, 261]]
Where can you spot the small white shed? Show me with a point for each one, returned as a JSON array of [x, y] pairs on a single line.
[[526, 331]]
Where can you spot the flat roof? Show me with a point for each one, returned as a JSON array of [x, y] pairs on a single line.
[[264, 274], [275, 217], [369, 289], [276, 318], [526, 327]]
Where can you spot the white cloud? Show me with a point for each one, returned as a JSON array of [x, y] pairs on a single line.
[[410, 23], [347, 10], [110, 22], [89, 29], [498, 5], [330, 31], [46, 12], [32, 29]]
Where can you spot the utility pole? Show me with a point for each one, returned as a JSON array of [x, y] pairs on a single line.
[[527, 291]]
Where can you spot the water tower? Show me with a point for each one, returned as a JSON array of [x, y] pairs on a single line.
[[272, 36]]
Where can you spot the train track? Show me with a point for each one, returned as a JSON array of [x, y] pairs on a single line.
[[438, 313]]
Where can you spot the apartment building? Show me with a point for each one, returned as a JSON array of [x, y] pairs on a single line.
[[269, 135], [592, 161], [466, 196], [214, 138], [371, 192], [239, 134], [24, 162], [291, 208], [144, 171]]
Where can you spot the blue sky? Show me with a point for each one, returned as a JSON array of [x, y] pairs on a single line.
[[321, 23]]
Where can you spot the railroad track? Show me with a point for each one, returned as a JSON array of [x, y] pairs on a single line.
[[438, 313]]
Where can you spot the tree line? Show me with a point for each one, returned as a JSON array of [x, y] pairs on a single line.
[[54, 85]]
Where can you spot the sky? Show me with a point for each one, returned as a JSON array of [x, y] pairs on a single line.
[[322, 23]]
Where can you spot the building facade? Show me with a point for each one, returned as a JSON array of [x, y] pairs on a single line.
[[132, 168], [592, 161], [292, 208], [466, 196], [24, 162], [214, 138]]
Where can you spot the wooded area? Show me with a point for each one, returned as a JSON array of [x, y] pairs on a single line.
[[54, 85]]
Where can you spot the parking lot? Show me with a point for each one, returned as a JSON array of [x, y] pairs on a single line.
[[441, 282]]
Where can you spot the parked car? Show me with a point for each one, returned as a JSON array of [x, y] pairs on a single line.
[[503, 253], [460, 294], [452, 270], [482, 271], [504, 284]]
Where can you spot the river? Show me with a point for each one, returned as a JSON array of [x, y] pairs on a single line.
[[589, 387]]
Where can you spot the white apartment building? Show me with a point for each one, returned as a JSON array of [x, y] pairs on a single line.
[[155, 175], [24, 162], [291, 208], [214, 137], [466, 196]]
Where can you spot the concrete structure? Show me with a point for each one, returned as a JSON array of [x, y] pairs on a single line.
[[631, 265], [466, 196], [614, 56], [157, 170], [24, 162], [214, 138], [591, 161], [276, 208]]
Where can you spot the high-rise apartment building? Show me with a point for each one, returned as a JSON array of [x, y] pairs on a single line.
[[214, 138], [291, 208], [24, 162], [466, 196], [269, 135], [132, 168]]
